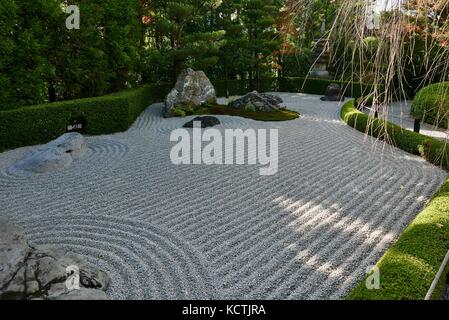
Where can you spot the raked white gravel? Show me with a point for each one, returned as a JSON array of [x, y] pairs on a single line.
[[163, 231]]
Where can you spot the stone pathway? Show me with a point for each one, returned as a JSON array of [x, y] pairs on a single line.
[[399, 113], [162, 231]]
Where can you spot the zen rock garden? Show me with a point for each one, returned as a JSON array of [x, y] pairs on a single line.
[[323, 174]]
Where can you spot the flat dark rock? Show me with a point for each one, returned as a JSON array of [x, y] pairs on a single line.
[[334, 92], [206, 122]]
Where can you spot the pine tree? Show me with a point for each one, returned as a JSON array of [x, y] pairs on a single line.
[[233, 54], [258, 18], [104, 55], [29, 68], [179, 32]]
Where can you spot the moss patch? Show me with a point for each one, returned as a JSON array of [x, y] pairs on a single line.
[[217, 109]]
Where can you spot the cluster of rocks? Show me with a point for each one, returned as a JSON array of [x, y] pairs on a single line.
[[28, 272], [55, 155], [255, 101], [192, 89], [334, 92]]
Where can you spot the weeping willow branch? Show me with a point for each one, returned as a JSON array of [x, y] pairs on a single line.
[[397, 50]]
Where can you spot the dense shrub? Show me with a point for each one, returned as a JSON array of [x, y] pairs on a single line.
[[106, 114], [409, 267], [431, 104], [42, 61], [235, 87]]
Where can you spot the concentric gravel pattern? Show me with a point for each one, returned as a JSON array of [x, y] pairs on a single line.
[[161, 231], [142, 260], [106, 152]]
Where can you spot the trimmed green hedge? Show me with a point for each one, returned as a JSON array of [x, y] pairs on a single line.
[[318, 86], [107, 114], [409, 267], [292, 84], [431, 104], [433, 150]]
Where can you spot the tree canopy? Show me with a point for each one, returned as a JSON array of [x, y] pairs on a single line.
[[125, 43]]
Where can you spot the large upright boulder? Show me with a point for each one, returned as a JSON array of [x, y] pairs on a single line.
[[192, 89], [28, 272], [55, 155], [255, 101]]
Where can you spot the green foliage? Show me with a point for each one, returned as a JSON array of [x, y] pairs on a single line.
[[107, 114], [292, 84], [26, 43], [104, 55], [234, 87], [252, 46], [258, 17], [408, 268], [297, 64], [41, 60], [431, 104], [124, 43], [180, 36], [250, 107], [8, 12], [178, 112]]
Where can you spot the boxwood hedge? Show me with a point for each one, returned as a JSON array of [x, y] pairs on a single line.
[[431, 104], [292, 84], [408, 268], [431, 149], [107, 114], [318, 86]]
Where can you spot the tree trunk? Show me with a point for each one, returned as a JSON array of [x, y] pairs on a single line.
[[258, 76], [175, 60], [251, 80], [51, 92], [226, 80]]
